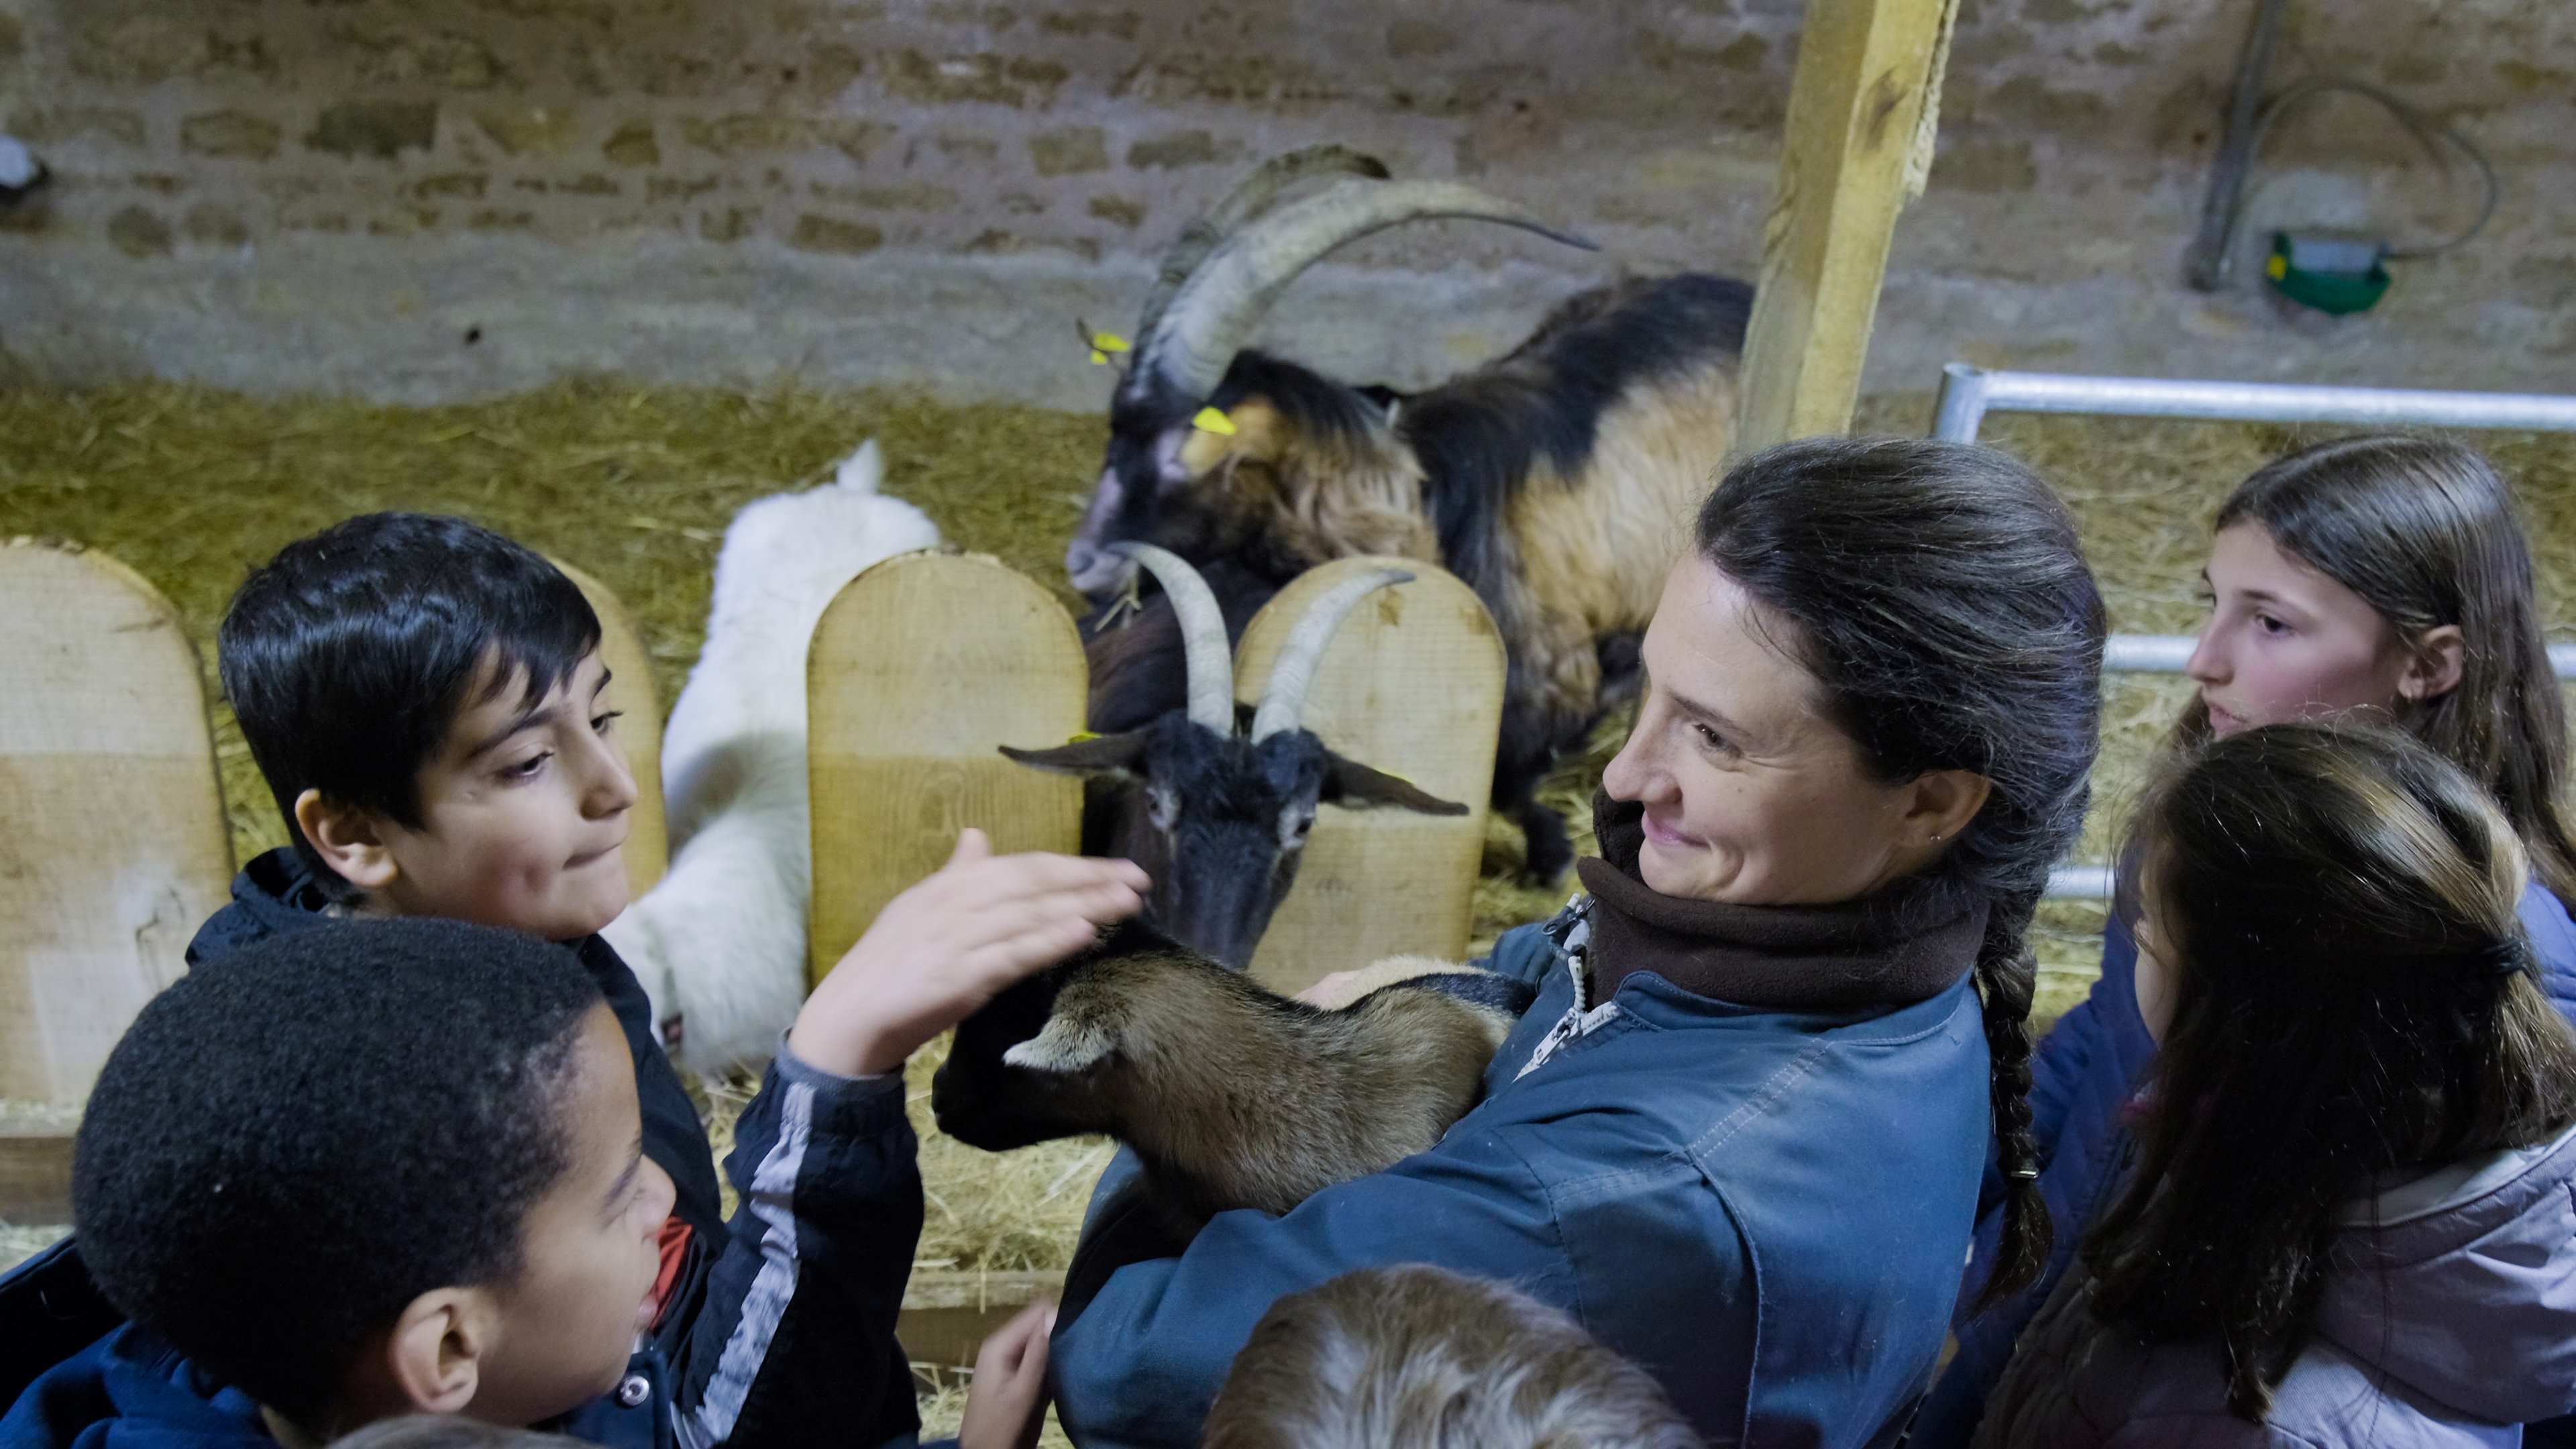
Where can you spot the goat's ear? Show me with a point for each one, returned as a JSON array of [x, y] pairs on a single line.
[[1355, 786], [1118, 754], [1063, 1045]]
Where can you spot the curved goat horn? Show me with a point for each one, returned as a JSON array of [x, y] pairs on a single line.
[[1195, 340], [1207, 660], [1251, 197], [1293, 672]]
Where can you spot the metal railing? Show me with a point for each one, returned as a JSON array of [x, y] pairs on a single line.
[[1969, 393]]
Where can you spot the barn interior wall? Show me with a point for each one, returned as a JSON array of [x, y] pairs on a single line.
[[424, 199]]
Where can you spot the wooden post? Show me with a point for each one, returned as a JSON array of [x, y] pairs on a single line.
[[919, 672], [1413, 685], [947, 1315], [1858, 135], [113, 848], [35, 1175], [639, 733]]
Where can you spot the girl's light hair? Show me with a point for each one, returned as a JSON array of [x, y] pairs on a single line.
[[1416, 1357]]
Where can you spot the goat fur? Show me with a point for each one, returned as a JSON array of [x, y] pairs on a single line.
[[1559, 482], [1233, 1095], [720, 942]]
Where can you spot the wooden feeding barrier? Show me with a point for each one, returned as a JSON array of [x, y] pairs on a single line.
[[114, 848], [921, 670], [1413, 685], [927, 663], [639, 734]]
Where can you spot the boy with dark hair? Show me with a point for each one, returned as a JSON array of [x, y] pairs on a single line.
[[423, 697], [382, 1168], [373, 1169], [352, 1136]]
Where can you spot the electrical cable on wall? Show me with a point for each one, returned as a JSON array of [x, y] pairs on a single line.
[[2329, 272], [2431, 134], [2339, 274]]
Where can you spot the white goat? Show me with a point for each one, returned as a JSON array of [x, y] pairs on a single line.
[[720, 942]]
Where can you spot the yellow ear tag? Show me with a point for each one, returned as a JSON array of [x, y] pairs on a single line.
[[1210, 420], [1109, 342], [1099, 358], [1079, 736]]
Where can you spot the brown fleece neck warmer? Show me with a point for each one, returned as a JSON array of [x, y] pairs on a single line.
[[1906, 943]]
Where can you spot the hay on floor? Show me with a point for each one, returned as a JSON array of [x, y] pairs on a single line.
[[942, 1397], [193, 487]]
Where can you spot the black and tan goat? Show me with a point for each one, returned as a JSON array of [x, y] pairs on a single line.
[[1558, 482], [1216, 803], [1232, 1095]]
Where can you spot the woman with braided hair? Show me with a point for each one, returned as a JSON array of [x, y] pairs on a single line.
[[1739, 1136]]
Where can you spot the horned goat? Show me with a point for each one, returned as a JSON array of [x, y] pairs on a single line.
[[1558, 482], [720, 942], [1232, 1095], [1216, 806]]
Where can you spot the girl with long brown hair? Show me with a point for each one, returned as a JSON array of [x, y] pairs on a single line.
[[2348, 1219], [2382, 577]]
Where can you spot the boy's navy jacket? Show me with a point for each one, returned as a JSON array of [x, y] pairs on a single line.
[[779, 1328], [1765, 1209], [783, 1337], [2083, 1076]]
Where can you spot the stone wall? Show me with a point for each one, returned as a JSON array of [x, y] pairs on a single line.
[[424, 198]]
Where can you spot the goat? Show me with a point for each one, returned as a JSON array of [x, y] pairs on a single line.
[[719, 942], [1232, 1095], [1214, 806], [1558, 482]]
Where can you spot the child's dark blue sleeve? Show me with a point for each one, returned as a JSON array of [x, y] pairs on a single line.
[[792, 1340]]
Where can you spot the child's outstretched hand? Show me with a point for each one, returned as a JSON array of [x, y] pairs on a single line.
[[948, 945], [1006, 1403]]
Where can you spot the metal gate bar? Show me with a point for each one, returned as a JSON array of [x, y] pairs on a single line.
[[1969, 393]]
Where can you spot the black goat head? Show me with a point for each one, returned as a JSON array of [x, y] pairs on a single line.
[[1215, 805]]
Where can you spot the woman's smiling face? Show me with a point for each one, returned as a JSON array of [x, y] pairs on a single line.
[[1752, 795]]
